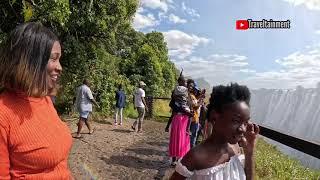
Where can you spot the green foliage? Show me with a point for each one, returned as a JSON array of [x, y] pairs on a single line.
[[148, 64], [99, 43], [27, 11], [54, 14], [272, 164], [130, 112]]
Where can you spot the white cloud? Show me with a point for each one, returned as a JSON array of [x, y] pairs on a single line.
[[143, 21], [317, 32], [216, 68], [298, 68], [162, 15], [189, 11], [156, 4], [140, 10], [176, 19], [181, 44], [301, 68], [310, 4], [248, 71]]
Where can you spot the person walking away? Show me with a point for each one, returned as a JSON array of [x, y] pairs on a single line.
[[140, 105], [84, 102], [120, 104]]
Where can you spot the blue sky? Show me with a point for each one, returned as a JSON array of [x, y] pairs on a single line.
[[202, 39]]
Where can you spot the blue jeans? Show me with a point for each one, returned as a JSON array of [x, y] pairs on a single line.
[[194, 132]]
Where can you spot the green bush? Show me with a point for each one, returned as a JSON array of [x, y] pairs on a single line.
[[130, 112]]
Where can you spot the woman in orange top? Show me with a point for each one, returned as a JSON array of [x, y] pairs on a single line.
[[34, 142]]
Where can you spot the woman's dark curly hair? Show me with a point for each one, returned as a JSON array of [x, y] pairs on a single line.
[[224, 95]]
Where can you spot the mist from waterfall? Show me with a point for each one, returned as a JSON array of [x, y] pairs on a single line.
[[294, 112]]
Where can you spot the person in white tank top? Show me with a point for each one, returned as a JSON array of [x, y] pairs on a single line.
[[220, 156]]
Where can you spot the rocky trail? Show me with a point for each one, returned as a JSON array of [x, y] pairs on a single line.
[[116, 152]]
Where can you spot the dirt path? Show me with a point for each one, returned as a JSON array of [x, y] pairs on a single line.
[[116, 152]]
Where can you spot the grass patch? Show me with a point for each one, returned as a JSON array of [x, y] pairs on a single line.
[[161, 110], [130, 112], [272, 164]]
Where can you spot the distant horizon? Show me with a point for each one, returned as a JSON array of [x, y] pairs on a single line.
[[203, 40], [317, 85]]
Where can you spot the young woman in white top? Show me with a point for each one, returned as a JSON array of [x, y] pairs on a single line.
[[219, 156]]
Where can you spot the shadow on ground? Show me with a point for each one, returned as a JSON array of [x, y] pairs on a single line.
[[122, 130], [140, 164], [147, 152], [102, 121], [161, 144]]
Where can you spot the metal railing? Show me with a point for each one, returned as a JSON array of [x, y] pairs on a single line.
[[308, 147]]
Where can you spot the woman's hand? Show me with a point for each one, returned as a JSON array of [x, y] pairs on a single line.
[[249, 147], [250, 137]]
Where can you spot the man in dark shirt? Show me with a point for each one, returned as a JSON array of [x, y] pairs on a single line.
[[120, 104]]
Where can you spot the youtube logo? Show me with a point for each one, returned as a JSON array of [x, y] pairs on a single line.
[[242, 24]]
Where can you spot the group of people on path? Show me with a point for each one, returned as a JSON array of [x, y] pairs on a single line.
[[186, 103], [35, 143], [84, 100]]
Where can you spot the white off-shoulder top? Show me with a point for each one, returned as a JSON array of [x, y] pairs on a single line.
[[231, 170]]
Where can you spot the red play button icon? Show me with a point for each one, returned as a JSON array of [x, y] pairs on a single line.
[[242, 25]]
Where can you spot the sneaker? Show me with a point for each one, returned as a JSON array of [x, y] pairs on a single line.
[[115, 123], [120, 124], [92, 131]]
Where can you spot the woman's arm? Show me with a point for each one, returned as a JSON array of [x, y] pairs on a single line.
[[186, 166], [4, 155], [249, 165]]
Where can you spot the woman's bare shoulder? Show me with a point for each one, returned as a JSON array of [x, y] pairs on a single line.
[[197, 157]]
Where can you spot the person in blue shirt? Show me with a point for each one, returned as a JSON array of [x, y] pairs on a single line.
[[120, 104]]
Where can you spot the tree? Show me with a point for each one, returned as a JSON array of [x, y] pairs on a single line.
[[99, 43]]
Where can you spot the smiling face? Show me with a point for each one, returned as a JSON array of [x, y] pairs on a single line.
[[231, 123], [54, 68]]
